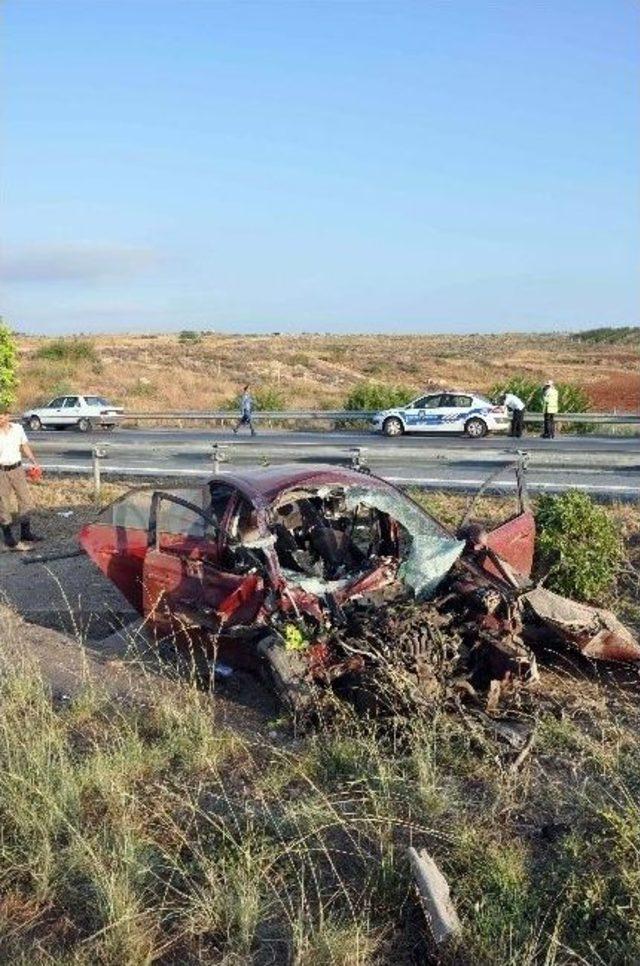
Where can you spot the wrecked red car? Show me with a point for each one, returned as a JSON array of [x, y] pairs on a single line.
[[292, 568]]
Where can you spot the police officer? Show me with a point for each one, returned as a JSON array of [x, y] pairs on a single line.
[[516, 407], [13, 479], [549, 409]]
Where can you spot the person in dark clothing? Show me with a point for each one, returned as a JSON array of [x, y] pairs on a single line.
[[246, 412], [549, 408], [516, 407]]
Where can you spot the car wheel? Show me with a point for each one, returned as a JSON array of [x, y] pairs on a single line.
[[108, 427], [84, 425], [286, 674], [476, 428], [393, 426], [35, 424]]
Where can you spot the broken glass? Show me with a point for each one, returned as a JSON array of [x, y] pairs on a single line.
[[432, 552]]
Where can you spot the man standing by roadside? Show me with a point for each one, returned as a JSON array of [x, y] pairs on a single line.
[[13, 479], [246, 411], [516, 407], [549, 409]]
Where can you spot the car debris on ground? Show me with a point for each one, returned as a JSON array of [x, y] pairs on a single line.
[[435, 899], [332, 581]]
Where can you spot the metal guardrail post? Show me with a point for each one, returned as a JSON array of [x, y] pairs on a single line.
[[98, 453], [357, 458], [521, 480], [218, 456]]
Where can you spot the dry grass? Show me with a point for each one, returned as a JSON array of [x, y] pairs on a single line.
[[151, 834], [65, 504], [160, 372]]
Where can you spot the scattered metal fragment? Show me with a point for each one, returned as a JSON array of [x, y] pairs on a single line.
[[321, 578], [435, 898], [524, 753], [42, 558], [220, 670], [595, 632]]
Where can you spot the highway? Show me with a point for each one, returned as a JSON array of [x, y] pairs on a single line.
[[605, 465]]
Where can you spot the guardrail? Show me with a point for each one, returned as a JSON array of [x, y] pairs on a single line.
[[340, 415], [99, 462]]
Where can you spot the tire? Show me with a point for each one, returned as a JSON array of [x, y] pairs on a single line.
[[35, 424], [84, 425], [475, 428], [108, 427], [392, 426], [285, 673]]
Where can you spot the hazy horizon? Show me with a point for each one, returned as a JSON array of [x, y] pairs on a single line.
[[343, 333]]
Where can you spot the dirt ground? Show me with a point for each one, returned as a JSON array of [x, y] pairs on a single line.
[[73, 619], [77, 624], [152, 372], [545, 843]]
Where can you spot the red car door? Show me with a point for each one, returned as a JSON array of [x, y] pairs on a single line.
[[183, 579]]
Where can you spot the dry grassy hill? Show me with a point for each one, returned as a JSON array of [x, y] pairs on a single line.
[[202, 371]]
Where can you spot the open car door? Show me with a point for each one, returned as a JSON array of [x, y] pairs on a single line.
[[184, 581], [514, 539], [118, 540]]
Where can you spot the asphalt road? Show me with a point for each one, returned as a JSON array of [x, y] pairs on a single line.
[[599, 464]]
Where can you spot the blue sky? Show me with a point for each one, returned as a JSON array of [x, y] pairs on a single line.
[[321, 166]]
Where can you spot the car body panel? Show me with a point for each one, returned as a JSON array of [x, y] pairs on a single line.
[[514, 541], [154, 562], [164, 564], [210, 564]]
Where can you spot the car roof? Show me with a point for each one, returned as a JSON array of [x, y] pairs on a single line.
[[455, 392], [266, 483]]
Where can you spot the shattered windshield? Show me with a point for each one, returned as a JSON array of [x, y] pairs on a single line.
[[326, 537], [431, 552]]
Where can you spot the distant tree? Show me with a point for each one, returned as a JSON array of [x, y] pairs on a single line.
[[8, 366]]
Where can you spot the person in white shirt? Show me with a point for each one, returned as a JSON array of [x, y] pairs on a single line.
[[517, 408], [13, 480]]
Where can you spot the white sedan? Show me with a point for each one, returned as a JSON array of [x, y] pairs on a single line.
[[452, 411], [82, 412]]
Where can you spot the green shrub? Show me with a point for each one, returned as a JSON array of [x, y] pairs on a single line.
[[60, 387], [68, 350], [610, 334], [300, 359], [265, 399], [142, 389], [269, 398], [583, 540], [188, 335], [377, 395], [8, 366], [571, 398]]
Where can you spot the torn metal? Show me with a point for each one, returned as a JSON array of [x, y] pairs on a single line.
[[327, 577]]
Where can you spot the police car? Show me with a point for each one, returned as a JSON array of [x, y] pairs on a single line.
[[446, 411]]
